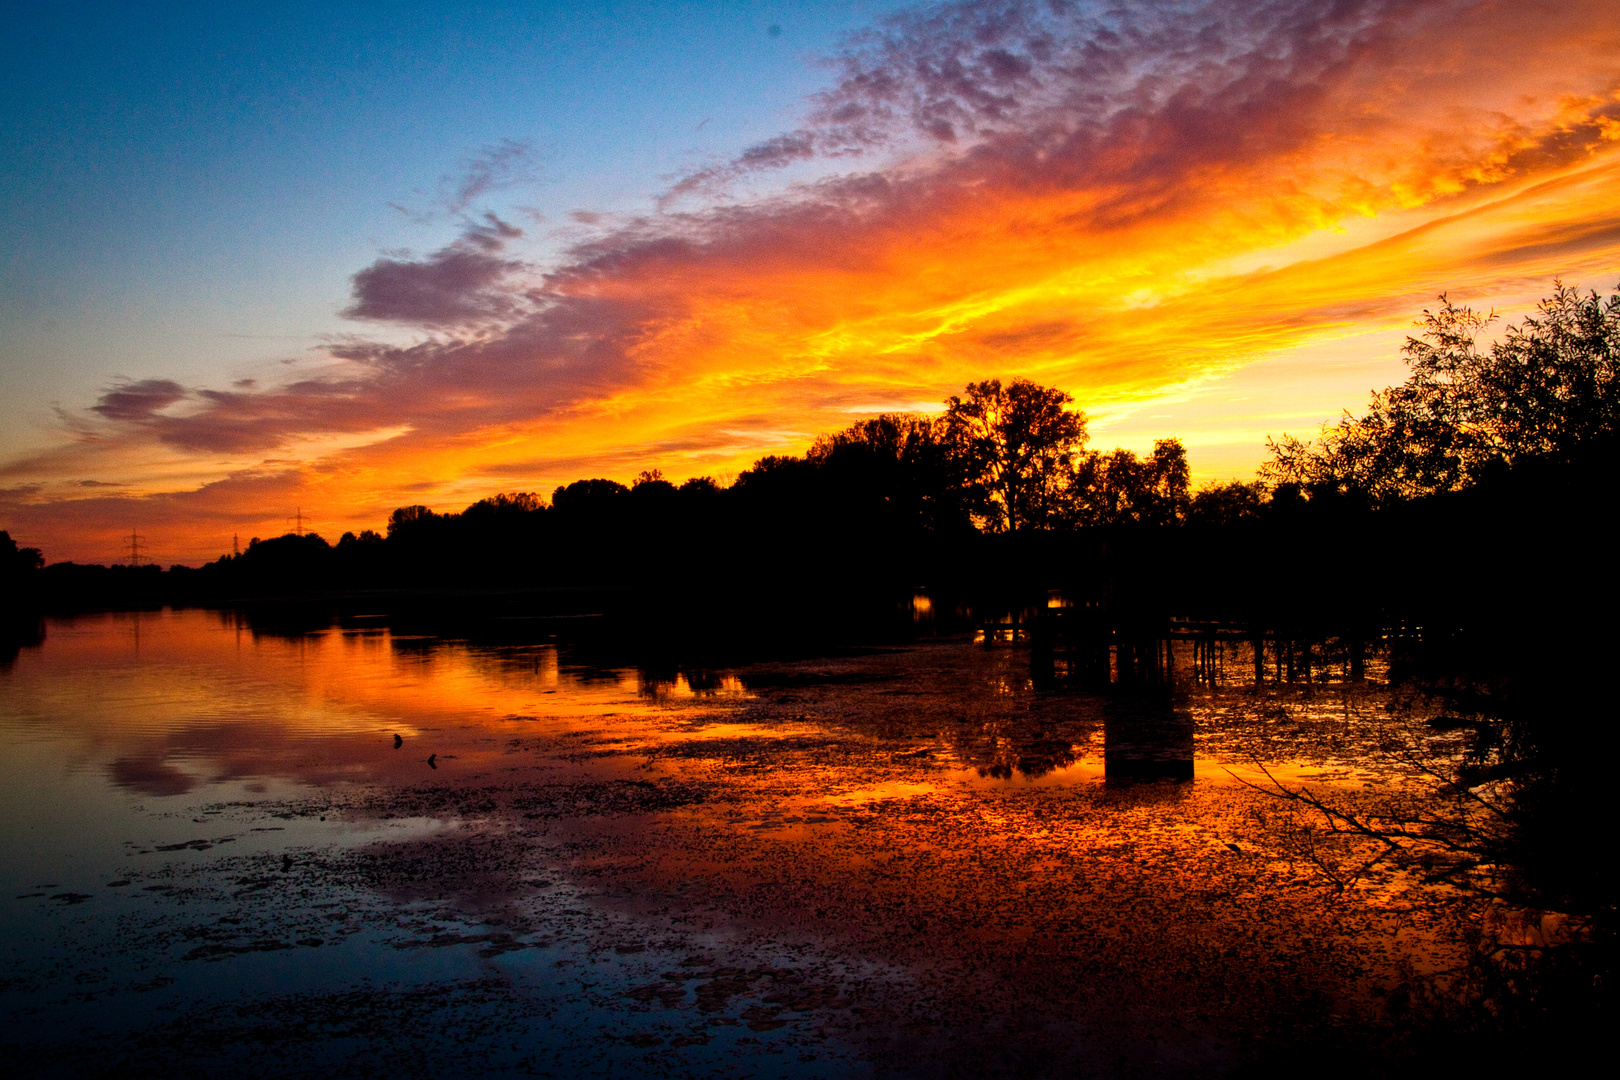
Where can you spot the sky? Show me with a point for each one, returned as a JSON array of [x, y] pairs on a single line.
[[263, 263]]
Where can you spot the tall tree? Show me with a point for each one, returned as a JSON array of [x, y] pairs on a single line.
[[1017, 446], [1166, 495]]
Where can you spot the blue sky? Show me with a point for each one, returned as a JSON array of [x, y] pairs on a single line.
[[185, 189]]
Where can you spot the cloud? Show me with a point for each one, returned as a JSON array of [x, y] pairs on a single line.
[[777, 152], [504, 165], [150, 777], [459, 283], [138, 401], [698, 450], [1152, 93]]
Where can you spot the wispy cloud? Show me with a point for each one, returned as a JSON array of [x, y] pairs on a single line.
[[501, 167], [460, 283], [138, 402]]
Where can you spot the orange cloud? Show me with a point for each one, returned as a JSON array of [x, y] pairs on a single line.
[[1130, 206]]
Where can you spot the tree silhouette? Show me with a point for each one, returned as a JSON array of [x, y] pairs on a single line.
[[1165, 495], [896, 465], [17, 561], [1548, 388], [409, 519], [585, 496], [1017, 446], [1118, 488], [1222, 506]]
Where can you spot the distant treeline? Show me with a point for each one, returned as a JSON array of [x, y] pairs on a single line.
[[1405, 505], [894, 500]]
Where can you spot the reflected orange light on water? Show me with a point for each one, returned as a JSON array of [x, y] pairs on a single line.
[[927, 807], [183, 698]]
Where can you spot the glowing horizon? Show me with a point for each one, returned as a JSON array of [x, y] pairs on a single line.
[[1213, 221]]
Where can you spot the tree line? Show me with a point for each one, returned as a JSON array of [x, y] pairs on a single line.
[[898, 498], [1548, 390], [1000, 459], [1001, 484]]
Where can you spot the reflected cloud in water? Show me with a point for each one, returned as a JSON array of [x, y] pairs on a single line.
[[167, 701]]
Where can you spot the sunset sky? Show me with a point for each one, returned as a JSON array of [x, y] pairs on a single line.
[[336, 258]]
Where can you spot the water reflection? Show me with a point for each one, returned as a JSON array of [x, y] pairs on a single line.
[[185, 699], [353, 801], [182, 699], [1031, 757], [1133, 735], [18, 632], [690, 685], [1148, 735]]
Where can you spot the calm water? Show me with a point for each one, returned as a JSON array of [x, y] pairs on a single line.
[[217, 860]]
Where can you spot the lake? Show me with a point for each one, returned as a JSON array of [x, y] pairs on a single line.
[[354, 850]]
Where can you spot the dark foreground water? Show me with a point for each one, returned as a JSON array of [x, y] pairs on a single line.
[[911, 860]]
